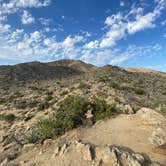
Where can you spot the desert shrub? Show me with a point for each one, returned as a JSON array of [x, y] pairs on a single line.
[[24, 103], [83, 85], [102, 95], [49, 98], [71, 114], [43, 105], [31, 137], [103, 79], [114, 85], [163, 110], [46, 127], [7, 117], [63, 93], [74, 108], [164, 93], [2, 100], [136, 90], [102, 110], [139, 91]]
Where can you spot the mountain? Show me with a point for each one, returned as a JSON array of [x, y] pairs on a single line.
[[62, 69], [68, 112], [35, 71]]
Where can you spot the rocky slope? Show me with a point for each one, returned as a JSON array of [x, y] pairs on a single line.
[[71, 113]]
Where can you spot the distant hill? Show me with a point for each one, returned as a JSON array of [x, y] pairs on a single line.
[[36, 71]]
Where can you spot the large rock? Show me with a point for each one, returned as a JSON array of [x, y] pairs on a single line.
[[85, 150], [151, 117], [158, 138], [115, 156]]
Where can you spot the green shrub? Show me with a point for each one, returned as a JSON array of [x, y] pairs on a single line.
[[102, 110], [136, 90], [102, 95], [114, 85], [83, 85], [46, 127], [71, 114], [64, 93], [103, 79], [2, 101], [139, 91], [49, 98], [42, 106], [8, 117]]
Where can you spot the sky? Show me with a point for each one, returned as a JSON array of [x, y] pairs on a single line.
[[127, 33]]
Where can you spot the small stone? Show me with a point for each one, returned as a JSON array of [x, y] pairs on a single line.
[[4, 162], [63, 149], [47, 142], [2, 138], [28, 147], [139, 157], [128, 109], [57, 150]]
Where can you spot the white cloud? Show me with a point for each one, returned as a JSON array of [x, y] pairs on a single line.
[[14, 5], [4, 28], [92, 45], [143, 22], [27, 18], [120, 25], [163, 22], [134, 51], [69, 41], [2, 18]]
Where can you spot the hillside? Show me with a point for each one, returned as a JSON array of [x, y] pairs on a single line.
[[78, 105]]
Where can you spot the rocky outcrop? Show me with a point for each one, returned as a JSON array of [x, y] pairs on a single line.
[[158, 138], [117, 156], [153, 118], [103, 156]]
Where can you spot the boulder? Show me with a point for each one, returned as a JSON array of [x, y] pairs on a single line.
[[85, 150], [151, 117], [158, 138], [116, 156]]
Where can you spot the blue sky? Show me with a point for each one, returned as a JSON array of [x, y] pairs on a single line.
[[117, 32]]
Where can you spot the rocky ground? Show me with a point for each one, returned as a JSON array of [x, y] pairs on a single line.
[[136, 140], [113, 126]]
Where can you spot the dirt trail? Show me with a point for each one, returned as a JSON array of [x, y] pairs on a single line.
[[131, 131]]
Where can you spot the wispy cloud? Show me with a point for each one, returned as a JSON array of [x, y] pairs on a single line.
[[120, 25], [45, 21]]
